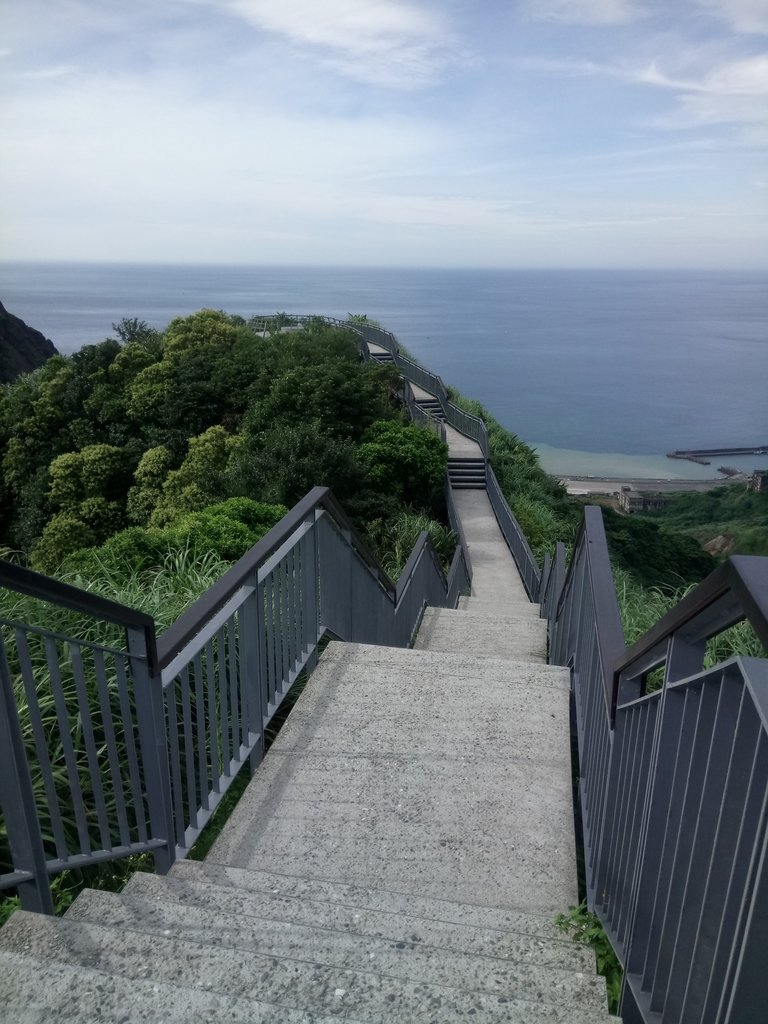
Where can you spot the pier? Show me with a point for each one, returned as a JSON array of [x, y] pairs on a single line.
[[701, 455]]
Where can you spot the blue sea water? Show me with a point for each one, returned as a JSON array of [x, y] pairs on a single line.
[[600, 369]]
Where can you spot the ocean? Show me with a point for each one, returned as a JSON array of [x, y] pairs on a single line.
[[602, 371]]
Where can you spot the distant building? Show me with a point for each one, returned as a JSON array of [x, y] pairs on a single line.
[[759, 481], [636, 501]]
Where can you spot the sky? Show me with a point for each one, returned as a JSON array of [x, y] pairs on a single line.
[[465, 133]]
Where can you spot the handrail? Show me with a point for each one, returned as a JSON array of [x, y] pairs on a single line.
[[672, 785], [743, 577], [45, 588], [608, 628], [473, 427], [513, 534], [167, 735], [179, 633]]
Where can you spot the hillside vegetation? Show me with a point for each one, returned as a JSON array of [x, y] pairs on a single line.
[[548, 514], [728, 520], [199, 437]]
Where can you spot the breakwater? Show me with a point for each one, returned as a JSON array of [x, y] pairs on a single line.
[[702, 455]]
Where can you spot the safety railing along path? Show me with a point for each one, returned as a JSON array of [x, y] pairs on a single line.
[[164, 724], [673, 785]]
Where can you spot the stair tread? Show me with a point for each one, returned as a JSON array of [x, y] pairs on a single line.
[[385, 922], [497, 964], [296, 983], [403, 906], [38, 992], [486, 666]]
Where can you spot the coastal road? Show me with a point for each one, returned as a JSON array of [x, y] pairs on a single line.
[[582, 485]]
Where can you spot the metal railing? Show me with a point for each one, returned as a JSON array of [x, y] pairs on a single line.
[[134, 739], [474, 428], [514, 536], [466, 423], [673, 786]]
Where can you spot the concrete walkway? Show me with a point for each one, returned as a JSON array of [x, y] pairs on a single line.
[[459, 446]]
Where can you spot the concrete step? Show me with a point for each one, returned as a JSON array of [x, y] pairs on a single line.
[[36, 990], [436, 781], [510, 609], [446, 665], [505, 965], [344, 933], [539, 932], [299, 984], [452, 631]]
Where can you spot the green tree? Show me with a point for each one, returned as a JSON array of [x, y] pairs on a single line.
[[147, 490], [281, 464], [202, 479], [344, 398], [404, 460]]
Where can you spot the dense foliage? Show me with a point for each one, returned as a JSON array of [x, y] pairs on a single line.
[[729, 520], [135, 447]]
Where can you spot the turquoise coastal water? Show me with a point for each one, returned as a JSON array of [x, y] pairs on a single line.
[[603, 371]]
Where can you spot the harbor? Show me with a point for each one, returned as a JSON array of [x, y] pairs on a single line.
[[703, 456]]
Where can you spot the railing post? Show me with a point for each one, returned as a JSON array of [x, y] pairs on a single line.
[[311, 583], [17, 799], [153, 742], [253, 659], [683, 658]]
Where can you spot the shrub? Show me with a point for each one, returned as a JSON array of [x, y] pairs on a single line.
[[406, 461]]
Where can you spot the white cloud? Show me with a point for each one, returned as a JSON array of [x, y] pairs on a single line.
[[588, 12], [745, 77], [58, 71], [381, 41], [749, 16]]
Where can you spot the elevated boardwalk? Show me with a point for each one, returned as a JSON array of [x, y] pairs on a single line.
[[399, 856]]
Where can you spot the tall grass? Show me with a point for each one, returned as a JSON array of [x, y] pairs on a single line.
[[164, 592], [394, 539], [642, 607]]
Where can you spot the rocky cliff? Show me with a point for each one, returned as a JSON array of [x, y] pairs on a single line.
[[22, 348]]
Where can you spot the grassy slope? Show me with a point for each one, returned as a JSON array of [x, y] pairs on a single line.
[[733, 513]]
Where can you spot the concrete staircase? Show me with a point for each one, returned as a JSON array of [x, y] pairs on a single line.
[[431, 405], [399, 856], [466, 473]]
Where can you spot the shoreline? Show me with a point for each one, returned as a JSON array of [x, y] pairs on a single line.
[[572, 464], [585, 485]]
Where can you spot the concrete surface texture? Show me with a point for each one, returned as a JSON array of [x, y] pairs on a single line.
[[399, 856]]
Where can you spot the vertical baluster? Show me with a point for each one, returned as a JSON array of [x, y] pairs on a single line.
[[91, 754], [253, 686], [269, 625], [189, 743], [226, 770], [67, 747], [136, 790], [153, 741], [17, 800], [200, 736], [283, 619], [41, 742], [212, 725], [291, 570], [234, 705], [111, 742], [175, 760]]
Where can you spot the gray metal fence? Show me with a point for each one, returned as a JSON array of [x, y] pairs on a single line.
[[473, 427], [673, 786], [135, 740]]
